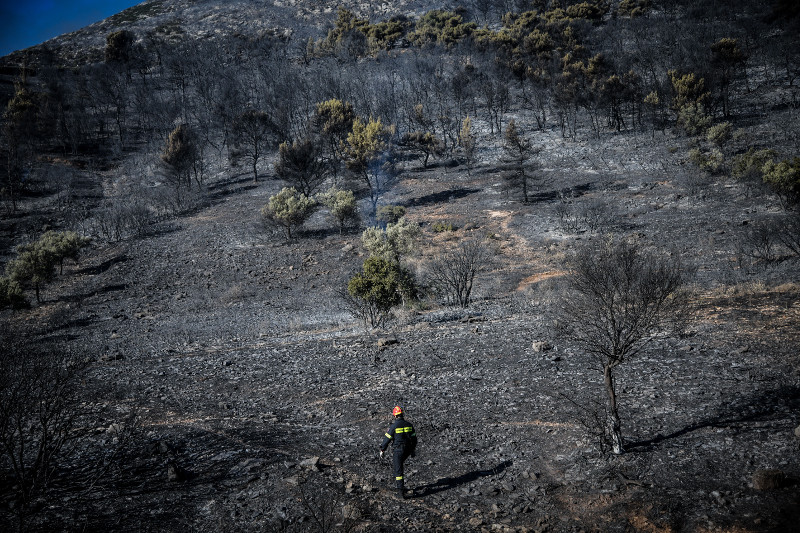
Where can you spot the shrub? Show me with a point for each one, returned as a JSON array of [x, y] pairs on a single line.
[[750, 164], [443, 27], [64, 245], [720, 133], [35, 262], [301, 166], [392, 243], [289, 209], [390, 214], [426, 143], [693, 119], [587, 10], [689, 99], [633, 8], [376, 289], [784, 177], [342, 205], [709, 161], [442, 226], [11, 294], [181, 157]]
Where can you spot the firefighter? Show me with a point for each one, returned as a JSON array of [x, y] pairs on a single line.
[[404, 443]]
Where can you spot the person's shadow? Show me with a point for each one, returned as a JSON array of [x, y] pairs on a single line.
[[447, 483]]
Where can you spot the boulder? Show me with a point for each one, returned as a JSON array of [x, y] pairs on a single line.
[[386, 341], [351, 512], [797, 431], [541, 346], [767, 479], [312, 463]]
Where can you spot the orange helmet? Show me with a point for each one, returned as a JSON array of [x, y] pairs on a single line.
[[397, 410]]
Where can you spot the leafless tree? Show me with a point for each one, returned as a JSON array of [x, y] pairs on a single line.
[[326, 508], [620, 298], [251, 133], [38, 414], [452, 272]]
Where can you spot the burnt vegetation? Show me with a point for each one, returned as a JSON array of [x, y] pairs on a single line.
[[234, 234]]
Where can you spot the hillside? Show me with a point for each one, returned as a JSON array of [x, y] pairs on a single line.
[[221, 382]]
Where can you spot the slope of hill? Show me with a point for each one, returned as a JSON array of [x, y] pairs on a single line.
[[228, 388]]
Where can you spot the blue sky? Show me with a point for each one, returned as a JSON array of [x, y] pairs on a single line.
[[29, 22]]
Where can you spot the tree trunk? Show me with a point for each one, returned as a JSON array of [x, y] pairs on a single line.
[[614, 424]]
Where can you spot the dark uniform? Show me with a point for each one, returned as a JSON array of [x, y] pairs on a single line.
[[404, 442]]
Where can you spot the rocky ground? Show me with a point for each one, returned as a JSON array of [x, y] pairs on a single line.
[[261, 402]]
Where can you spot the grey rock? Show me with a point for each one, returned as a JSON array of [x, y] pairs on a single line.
[[386, 341], [351, 512], [541, 346], [312, 463]]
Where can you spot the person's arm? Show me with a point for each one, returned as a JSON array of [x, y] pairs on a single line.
[[388, 437]]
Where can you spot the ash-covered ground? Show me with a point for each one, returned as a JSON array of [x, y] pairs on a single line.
[[261, 402]]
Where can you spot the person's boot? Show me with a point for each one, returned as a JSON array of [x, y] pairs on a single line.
[[401, 492]]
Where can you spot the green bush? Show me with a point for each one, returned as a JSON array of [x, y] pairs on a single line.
[[633, 8], [289, 209], [693, 119], [750, 164], [64, 245], [439, 26], [709, 161], [11, 294], [390, 214], [442, 226], [35, 262], [377, 288], [587, 10], [396, 241], [689, 101], [784, 177], [720, 134], [342, 205]]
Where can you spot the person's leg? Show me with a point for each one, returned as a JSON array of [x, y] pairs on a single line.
[[398, 468]]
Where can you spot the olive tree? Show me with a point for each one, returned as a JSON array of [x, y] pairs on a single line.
[[342, 206], [35, 262], [373, 292], [396, 241], [620, 298], [289, 208], [369, 158]]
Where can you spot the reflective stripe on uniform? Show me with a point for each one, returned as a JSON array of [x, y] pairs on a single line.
[[388, 436], [398, 478], [406, 429]]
